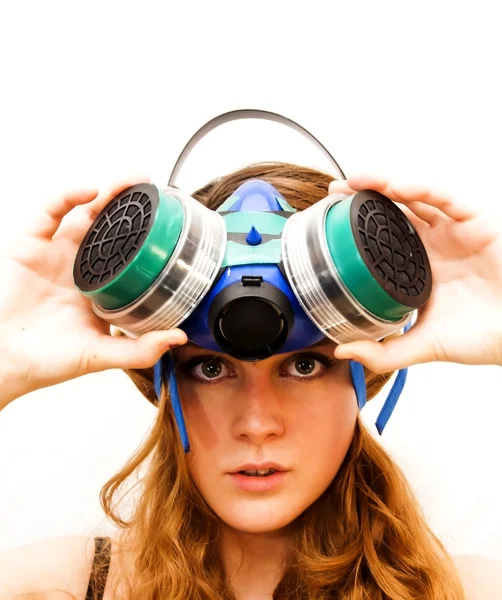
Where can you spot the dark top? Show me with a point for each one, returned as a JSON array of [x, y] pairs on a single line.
[[102, 551]]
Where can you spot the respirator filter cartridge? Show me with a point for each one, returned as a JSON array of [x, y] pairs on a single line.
[[149, 258], [356, 265]]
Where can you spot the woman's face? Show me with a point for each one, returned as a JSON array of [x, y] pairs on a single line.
[[295, 410]]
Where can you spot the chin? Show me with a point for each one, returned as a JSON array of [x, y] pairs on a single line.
[[258, 515]]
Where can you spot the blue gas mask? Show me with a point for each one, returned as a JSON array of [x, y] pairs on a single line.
[[254, 278]]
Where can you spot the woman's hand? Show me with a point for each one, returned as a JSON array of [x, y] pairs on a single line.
[[48, 331], [462, 321]]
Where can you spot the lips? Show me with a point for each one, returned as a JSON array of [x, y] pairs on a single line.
[[260, 484], [259, 467]]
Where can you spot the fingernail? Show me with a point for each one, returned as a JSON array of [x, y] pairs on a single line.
[[176, 341]]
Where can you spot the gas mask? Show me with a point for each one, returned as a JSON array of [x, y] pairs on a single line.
[[254, 278]]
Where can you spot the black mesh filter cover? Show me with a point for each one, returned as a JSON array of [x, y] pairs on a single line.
[[391, 248], [115, 237]]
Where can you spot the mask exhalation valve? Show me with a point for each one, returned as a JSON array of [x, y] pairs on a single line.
[[250, 319]]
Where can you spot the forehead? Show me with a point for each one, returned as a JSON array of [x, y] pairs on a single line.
[[323, 342]]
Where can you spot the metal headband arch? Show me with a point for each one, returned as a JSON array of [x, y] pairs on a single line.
[[235, 115]]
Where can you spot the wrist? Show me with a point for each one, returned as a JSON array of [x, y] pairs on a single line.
[[8, 389], [498, 344], [498, 355], [12, 384]]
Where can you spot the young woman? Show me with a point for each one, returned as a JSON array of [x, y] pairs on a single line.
[[343, 522]]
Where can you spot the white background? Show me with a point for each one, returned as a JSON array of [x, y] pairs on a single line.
[[94, 91]]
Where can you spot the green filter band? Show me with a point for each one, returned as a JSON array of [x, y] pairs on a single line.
[[352, 268]]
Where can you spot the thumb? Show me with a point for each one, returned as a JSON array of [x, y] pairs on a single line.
[[389, 355], [120, 352], [340, 186]]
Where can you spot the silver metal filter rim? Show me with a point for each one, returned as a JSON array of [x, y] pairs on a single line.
[[185, 279], [315, 279]]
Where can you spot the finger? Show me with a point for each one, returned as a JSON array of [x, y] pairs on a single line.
[[47, 223], [340, 186], [427, 214], [389, 355], [76, 228], [104, 197], [408, 193], [418, 223], [121, 352]]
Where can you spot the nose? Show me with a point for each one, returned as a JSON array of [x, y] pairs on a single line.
[[259, 415]]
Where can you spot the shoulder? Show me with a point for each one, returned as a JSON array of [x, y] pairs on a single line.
[[61, 563], [481, 576]]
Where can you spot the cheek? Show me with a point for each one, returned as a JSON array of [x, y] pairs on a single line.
[[208, 422], [323, 429], [205, 415]]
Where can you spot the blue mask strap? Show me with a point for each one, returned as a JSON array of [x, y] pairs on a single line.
[[390, 403], [164, 371], [158, 377], [357, 372]]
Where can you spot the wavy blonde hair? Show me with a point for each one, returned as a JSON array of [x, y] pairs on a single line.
[[364, 538]]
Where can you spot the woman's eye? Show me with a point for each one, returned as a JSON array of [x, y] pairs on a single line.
[[209, 369], [307, 367]]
